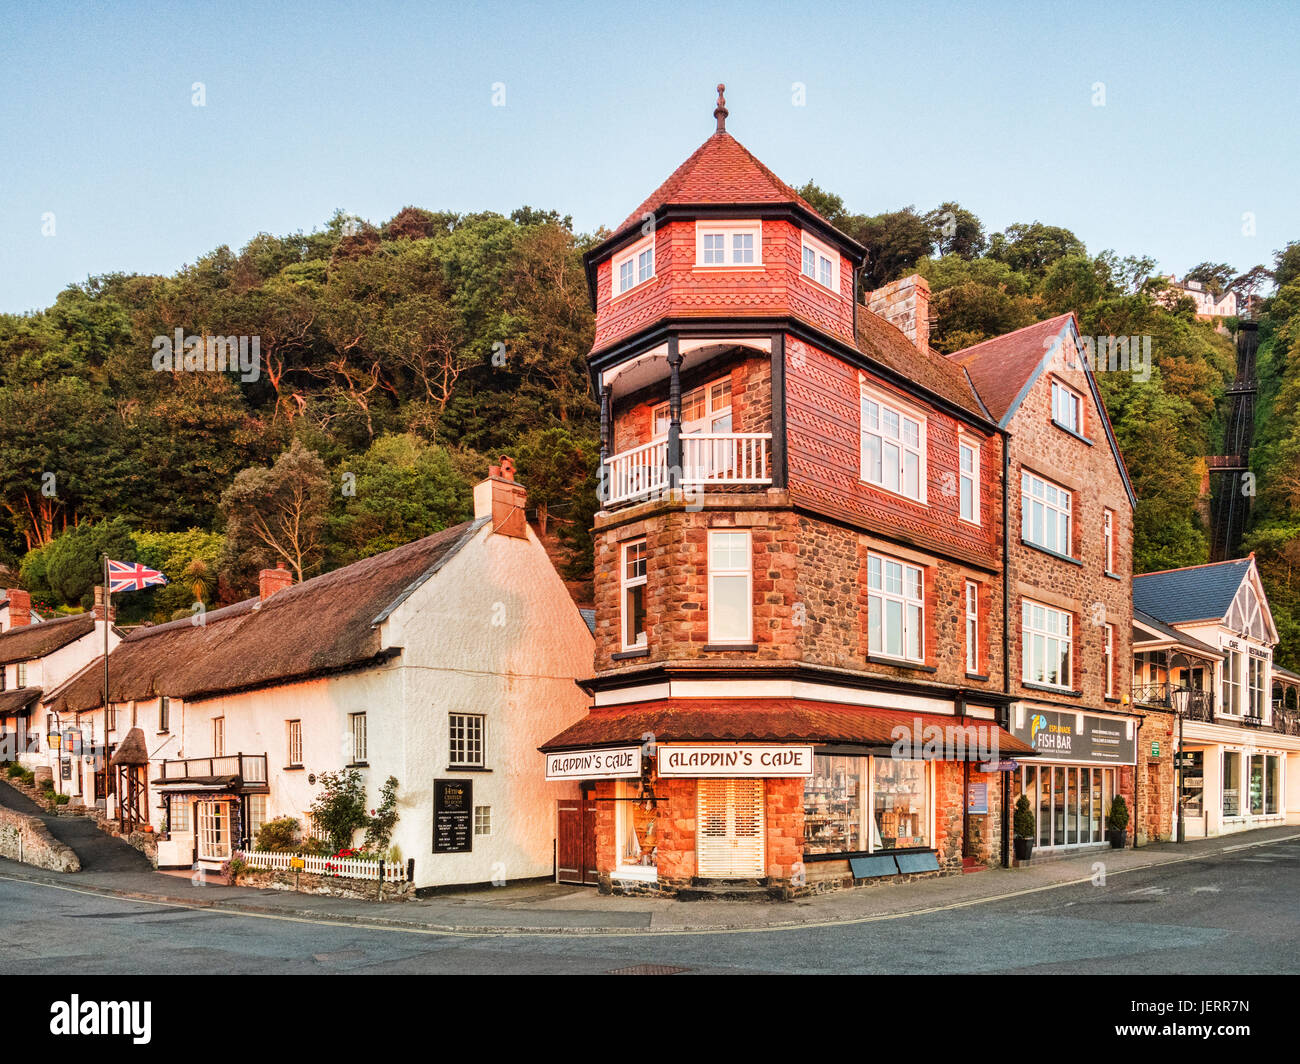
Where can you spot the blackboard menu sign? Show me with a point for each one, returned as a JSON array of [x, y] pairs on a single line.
[[453, 808]]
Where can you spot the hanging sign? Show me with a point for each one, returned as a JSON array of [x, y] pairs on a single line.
[[735, 761], [622, 761]]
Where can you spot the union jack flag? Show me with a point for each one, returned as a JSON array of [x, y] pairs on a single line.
[[132, 576]]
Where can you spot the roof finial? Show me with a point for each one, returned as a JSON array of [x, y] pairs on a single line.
[[720, 112]]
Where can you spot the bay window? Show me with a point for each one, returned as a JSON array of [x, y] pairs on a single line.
[[895, 609], [731, 582], [634, 266], [1045, 514], [1046, 645], [893, 448], [820, 263], [866, 804], [728, 243], [633, 570]]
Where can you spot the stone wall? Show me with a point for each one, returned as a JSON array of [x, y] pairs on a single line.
[[27, 839], [331, 886]]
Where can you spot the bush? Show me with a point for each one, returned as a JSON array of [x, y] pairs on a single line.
[[1024, 818], [340, 809], [1117, 818], [379, 832], [314, 848], [278, 836], [14, 770], [62, 799], [235, 868]]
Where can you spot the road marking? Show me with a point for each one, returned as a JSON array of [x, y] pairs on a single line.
[[625, 933]]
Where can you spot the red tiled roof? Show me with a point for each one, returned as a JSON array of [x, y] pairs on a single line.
[[886, 343], [721, 170], [1000, 367], [756, 720]]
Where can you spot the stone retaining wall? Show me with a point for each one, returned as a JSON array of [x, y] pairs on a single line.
[[332, 886], [26, 839]]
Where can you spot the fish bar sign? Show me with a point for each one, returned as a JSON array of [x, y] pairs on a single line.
[[735, 761], [624, 761]]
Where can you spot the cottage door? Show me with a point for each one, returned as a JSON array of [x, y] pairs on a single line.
[[729, 842], [575, 841]]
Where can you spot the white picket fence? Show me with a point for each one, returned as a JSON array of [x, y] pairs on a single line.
[[343, 867]]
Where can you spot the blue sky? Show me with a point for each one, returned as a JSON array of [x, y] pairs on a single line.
[[371, 107]]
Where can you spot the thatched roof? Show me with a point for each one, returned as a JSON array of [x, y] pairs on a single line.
[[326, 624], [131, 750], [17, 701], [33, 641]]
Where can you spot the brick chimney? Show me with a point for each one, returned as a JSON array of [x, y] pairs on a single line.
[[20, 607], [501, 498], [99, 606], [269, 581], [905, 304]]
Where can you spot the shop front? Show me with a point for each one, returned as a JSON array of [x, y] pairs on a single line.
[[1231, 786], [1084, 761], [784, 794]]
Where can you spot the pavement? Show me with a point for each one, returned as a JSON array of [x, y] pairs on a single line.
[[550, 908]]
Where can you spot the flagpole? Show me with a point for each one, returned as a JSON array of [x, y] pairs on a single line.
[[106, 613]]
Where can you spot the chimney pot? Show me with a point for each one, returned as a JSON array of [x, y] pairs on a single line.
[[20, 607], [270, 581], [503, 499]]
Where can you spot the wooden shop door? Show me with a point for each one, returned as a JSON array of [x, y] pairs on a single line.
[[729, 837], [575, 841]]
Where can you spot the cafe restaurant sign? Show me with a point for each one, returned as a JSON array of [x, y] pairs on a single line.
[[735, 761], [1076, 736], [622, 761]]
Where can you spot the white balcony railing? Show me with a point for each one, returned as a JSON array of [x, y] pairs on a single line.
[[713, 458]]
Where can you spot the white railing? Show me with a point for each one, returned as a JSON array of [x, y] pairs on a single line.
[[707, 458], [343, 867]]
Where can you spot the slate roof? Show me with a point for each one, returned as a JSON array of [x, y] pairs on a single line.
[[589, 616], [1174, 634], [999, 368], [753, 720], [1197, 593], [34, 641], [325, 624]]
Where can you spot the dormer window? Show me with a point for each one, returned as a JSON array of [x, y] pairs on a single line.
[[734, 244], [634, 266], [820, 263]]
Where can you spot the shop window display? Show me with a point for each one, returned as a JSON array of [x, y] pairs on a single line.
[[839, 807], [638, 814], [901, 804]]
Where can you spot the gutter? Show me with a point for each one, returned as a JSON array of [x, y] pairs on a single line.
[[1006, 639]]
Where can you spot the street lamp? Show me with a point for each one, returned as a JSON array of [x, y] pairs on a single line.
[[1182, 697]]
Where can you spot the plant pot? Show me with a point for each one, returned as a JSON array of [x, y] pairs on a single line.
[[1116, 838], [1024, 849]]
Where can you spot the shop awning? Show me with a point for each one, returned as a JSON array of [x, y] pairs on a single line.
[[181, 784], [779, 720]]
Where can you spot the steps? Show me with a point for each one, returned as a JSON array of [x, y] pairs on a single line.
[[725, 890]]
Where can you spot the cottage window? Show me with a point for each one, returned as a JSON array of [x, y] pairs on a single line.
[[731, 581], [728, 243], [1045, 514], [1046, 645], [357, 721], [218, 736], [482, 820], [634, 266], [21, 668], [893, 448], [4, 673], [1108, 649], [256, 809], [633, 569], [1067, 408], [1108, 539], [969, 481], [466, 740], [164, 714], [972, 627], [214, 830], [293, 743], [178, 815], [820, 263], [895, 609]]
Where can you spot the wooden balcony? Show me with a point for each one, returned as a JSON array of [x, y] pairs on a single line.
[[709, 460], [250, 768]]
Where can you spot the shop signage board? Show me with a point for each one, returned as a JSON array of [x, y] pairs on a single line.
[[1059, 737], [619, 762], [1006, 765], [977, 797], [453, 807], [735, 761], [1155, 749]]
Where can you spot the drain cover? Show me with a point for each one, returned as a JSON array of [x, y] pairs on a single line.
[[649, 969]]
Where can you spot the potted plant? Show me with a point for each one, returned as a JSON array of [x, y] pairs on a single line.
[[1024, 827], [1117, 822]]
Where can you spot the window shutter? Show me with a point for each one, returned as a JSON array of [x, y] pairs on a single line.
[[729, 839]]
